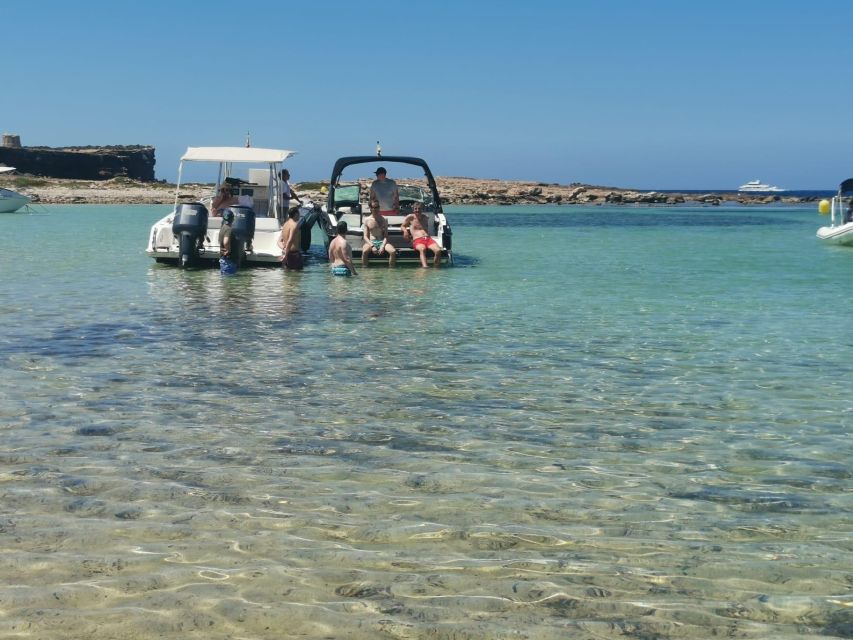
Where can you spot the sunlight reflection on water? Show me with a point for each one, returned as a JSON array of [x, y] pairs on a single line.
[[599, 435]]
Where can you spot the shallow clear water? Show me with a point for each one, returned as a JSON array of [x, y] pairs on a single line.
[[603, 423]]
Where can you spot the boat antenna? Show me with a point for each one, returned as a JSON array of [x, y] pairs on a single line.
[[248, 140], [378, 149]]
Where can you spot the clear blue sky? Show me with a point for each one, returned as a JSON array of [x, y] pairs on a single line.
[[656, 94]]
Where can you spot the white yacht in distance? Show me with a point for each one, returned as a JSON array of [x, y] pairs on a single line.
[[756, 186]]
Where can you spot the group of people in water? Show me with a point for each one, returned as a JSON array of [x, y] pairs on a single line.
[[384, 200]]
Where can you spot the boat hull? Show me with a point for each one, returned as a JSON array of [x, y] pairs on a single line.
[[838, 235], [163, 244], [10, 201]]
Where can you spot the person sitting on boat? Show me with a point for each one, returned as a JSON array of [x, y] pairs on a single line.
[[340, 254], [224, 199], [228, 261], [289, 241], [376, 238], [414, 228], [384, 194]]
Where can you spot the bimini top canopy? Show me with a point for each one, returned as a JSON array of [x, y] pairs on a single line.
[[343, 163], [846, 186], [236, 154]]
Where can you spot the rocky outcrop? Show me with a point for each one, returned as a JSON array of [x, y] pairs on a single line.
[[82, 163]]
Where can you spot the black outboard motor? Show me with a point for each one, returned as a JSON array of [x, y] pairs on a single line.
[[447, 238], [190, 226], [305, 225], [242, 231]]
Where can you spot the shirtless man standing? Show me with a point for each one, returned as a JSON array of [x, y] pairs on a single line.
[[340, 254], [289, 242], [376, 238], [414, 228]]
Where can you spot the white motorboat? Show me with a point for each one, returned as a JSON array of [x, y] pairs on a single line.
[[348, 202], [756, 186], [840, 229], [189, 235], [11, 201]]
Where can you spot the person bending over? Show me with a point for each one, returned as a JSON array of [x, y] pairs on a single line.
[[223, 200]]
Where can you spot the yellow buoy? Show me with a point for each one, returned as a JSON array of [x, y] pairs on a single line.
[[823, 207]]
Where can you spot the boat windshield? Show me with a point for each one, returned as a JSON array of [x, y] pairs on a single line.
[[413, 193], [346, 195]]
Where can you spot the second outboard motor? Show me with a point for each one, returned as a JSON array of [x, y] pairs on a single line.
[[190, 226], [242, 230], [447, 238], [305, 225]]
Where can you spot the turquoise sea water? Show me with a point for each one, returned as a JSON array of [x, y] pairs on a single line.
[[602, 423]]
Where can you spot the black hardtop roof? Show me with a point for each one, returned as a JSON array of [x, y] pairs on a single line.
[[846, 186], [346, 161], [342, 163]]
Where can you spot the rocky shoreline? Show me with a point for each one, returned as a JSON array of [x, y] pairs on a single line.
[[453, 191]]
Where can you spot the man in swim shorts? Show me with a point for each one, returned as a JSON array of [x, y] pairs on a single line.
[[414, 228], [228, 260], [376, 239], [289, 242], [340, 254], [384, 194]]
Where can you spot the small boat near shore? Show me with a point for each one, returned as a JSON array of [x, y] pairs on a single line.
[[189, 235], [756, 186], [349, 202], [840, 229], [11, 201]]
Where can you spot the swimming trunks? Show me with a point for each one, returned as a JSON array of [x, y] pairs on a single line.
[[426, 241], [378, 244], [227, 267], [293, 260], [341, 270]]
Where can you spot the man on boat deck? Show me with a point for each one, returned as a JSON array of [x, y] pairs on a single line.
[[289, 241], [414, 228], [376, 238], [287, 193], [384, 194], [228, 261], [340, 254]]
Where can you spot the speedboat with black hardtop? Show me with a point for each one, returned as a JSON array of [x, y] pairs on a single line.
[[348, 201], [840, 229], [189, 235]]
